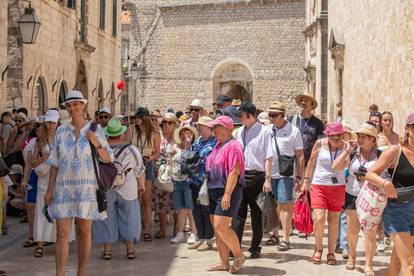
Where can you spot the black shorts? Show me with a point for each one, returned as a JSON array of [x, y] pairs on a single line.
[[215, 202], [350, 202]]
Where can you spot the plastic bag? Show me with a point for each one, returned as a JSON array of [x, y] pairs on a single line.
[[267, 203]]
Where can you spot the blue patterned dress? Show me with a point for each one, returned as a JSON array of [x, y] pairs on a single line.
[[74, 194]]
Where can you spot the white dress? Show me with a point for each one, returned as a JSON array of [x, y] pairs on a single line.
[[74, 194]]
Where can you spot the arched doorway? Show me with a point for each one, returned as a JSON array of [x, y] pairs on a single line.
[[82, 80], [113, 99], [40, 97], [63, 89], [101, 95], [233, 78]]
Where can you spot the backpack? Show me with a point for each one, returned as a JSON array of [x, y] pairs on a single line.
[[302, 215], [121, 169]]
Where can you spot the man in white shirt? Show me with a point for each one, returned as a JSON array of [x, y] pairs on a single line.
[[258, 155], [289, 147]]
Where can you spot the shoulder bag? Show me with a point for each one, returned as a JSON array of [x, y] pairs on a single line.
[[286, 162]]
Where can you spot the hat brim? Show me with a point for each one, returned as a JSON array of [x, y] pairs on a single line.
[[365, 132], [328, 133], [115, 134], [274, 110], [75, 100], [299, 97], [178, 130], [203, 124]]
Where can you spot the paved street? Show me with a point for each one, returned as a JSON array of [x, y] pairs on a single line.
[[162, 258]]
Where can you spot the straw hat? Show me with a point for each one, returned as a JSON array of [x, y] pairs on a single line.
[[349, 131], [277, 107], [367, 129], [204, 121], [307, 95], [178, 130]]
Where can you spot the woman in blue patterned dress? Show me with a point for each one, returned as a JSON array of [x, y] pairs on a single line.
[[72, 183]]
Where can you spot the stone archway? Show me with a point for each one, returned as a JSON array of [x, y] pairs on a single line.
[[82, 80], [101, 94], [233, 78]]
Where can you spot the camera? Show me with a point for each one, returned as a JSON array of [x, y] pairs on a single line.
[[361, 172], [334, 179]]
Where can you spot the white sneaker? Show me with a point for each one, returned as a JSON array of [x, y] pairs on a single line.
[[192, 239], [179, 238], [381, 246]]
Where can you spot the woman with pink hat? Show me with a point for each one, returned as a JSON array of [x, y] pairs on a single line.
[[328, 189], [398, 216]]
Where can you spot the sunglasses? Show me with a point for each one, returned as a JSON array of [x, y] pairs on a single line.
[[410, 125], [336, 137], [168, 122], [19, 121], [104, 117], [154, 119], [195, 110], [275, 115], [375, 113], [38, 125]]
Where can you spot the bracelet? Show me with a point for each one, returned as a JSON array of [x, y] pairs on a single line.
[[268, 177], [306, 178], [299, 177]]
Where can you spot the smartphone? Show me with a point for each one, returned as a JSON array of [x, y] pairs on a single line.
[[46, 213]]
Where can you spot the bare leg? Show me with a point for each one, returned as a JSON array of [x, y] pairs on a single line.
[[227, 235], [221, 246], [146, 207], [403, 246], [64, 229], [84, 244], [163, 222], [395, 265], [181, 219], [107, 247], [353, 228], [286, 215], [191, 221], [30, 208], [333, 223], [370, 246], [319, 216]]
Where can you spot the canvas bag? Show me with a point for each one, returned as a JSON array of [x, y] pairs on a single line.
[[371, 202], [164, 179]]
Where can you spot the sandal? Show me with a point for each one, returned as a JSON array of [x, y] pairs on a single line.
[[219, 267], [317, 259], [350, 265], [131, 255], [29, 243], [368, 271], [106, 255], [331, 260], [273, 240], [160, 235], [283, 246], [38, 253], [237, 264], [147, 237]]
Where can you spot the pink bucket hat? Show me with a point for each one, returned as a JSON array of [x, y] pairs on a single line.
[[410, 119], [334, 128], [224, 121]]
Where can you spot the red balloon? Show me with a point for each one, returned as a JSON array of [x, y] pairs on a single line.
[[121, 85]]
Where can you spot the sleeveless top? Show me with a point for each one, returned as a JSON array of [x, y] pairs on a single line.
[[404, 176], [323, 174], [353, 186], [146, 148]]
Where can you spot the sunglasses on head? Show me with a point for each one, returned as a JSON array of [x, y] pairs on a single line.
[[275, 115], [103, 116], [195, 110], [375, 113]]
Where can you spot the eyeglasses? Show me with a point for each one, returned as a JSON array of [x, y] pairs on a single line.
[[106, 117], [168, 122], [275, 115], [335, 137], [195, 110]]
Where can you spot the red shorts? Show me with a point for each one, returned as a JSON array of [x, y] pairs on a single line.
[[330, 198]]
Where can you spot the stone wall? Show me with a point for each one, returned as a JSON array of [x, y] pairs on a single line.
[[3, 51], [378, 58], [192, 42], [56, 56]]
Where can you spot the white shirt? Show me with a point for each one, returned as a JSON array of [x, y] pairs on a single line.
[[289, 140], [256, 143], [353, 187], [130, 158]]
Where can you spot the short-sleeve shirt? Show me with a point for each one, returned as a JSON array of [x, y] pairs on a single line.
[[256, 144], [289, 140], [5, 131], [221, 162], [204, 148], [312, 129]]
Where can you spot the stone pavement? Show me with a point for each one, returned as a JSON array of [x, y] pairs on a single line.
[[162, 258]]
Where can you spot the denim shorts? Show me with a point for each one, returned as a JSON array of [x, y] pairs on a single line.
[[399, 217], [149, 171], [216, 195], [181, 195], [282, 188]]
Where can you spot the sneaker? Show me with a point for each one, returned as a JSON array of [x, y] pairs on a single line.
[[179, 238], [302, 235], [192, 239], [195, 245], [381, 246], [345, 254], [338, 250], [205, 246]]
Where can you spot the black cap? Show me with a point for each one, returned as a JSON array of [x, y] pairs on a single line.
[[142, 112], [229, 111], [222, 99], [247, 107]]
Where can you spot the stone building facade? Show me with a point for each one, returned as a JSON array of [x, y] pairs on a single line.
[[248, 49], [78, 47], [316, 53], [371, 58], [3, 47]]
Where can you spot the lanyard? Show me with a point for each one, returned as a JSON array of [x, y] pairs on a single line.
[[244, 138], [330, 154], [302, 128], [365, 161]]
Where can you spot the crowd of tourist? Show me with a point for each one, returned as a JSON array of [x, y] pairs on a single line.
[[105, 179]]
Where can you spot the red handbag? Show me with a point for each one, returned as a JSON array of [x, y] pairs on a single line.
[[302, 215]]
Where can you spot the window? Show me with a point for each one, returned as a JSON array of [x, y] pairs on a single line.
[[114, 18], [82, 21], [102, 14], [72, 4]]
